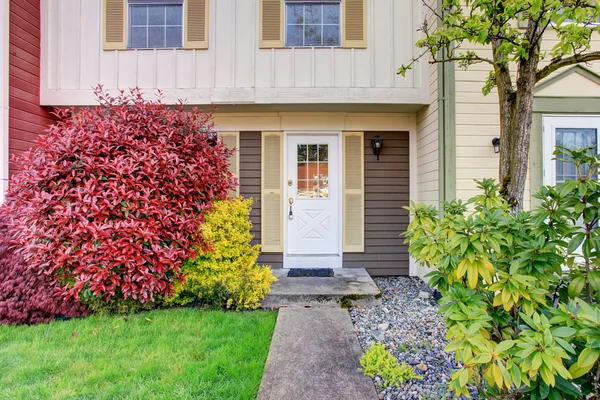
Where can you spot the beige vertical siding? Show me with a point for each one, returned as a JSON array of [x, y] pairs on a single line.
[[477, 123], [427, 137]]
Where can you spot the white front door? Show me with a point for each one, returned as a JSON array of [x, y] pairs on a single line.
[[313, 204]]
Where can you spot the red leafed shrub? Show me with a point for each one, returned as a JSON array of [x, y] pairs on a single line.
[[26, 295], [111, 198]]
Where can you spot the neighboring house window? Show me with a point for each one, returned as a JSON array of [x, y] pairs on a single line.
[[570, 132], [312, 23], [155, 24]]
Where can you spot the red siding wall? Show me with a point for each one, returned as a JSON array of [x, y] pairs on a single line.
[[26, 118]]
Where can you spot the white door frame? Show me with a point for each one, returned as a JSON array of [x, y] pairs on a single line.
[[310, 262], [552, 121]]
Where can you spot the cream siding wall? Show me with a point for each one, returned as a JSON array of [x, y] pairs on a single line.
[[428, 190], [234, 70], [477, 123]]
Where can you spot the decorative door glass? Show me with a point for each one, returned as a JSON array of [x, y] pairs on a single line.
[[313, 171]]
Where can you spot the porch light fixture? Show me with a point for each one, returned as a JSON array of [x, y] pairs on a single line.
[[377, 144], [496, 144]]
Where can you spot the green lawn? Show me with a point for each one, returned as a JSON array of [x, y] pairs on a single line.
[[165, 354]]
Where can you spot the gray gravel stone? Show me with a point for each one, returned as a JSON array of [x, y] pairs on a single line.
[[415, 334]]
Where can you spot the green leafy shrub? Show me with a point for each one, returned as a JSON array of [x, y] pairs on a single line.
[[520, 291], [378, 361], [228, 274]]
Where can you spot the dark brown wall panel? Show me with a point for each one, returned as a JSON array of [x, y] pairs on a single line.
[[386, 192], [26, 118], [250, 150]]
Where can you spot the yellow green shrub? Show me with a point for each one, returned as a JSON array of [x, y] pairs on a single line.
[[230, 274]]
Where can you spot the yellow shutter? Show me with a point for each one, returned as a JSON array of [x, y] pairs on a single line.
[[271, 24], [195, 23], [353, 187], [354, 24], [232, 141], [271, 192], [114, 18]]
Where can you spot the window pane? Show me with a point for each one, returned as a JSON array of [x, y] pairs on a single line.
[[294, 35], [312, 35], [156, 15], [573, 139], [331, 14], [323, 152], [312, 13], [324, 188], [312, 152], [302, 174], [295, 13], [138, 37], [174, 15], [139, 15], [301, 152], [331, 35], [156, 37], [174, 36]]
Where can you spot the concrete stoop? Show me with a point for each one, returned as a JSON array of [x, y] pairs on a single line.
[[347, 287]]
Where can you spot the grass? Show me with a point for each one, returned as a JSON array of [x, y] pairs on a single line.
[[164, 354]]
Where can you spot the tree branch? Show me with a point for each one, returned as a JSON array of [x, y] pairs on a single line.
[[558, 63]]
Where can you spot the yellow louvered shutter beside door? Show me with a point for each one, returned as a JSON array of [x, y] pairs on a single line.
[[354, 24], [196, 24], [271, 24], [232, 141], [353, 188], [114, 20], [271, 220]]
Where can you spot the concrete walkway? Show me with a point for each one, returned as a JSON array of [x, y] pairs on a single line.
[[315, 355]]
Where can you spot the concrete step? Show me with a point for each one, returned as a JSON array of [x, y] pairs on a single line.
[[348, 287]]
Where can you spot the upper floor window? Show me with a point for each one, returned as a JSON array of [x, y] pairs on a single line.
[[312, 23], [155, 24]]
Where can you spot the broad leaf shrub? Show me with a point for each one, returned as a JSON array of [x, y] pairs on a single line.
[[378, 361], [228, 274], [26, 295], [111, 199], [520, 292]]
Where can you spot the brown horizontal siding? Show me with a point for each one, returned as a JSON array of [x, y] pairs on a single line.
[[387, 189], [26, 118], [250, 148]]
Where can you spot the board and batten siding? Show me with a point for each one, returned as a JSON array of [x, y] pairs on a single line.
[[26, 118], [234, 69], [386, 192]]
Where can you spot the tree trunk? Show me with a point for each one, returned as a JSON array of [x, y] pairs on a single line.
[[516, 110]]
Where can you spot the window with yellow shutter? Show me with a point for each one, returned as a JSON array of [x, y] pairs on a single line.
[[155, 24], [313, 23]]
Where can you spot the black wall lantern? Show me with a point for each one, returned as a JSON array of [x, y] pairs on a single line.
[[377, 144], [496, 144]]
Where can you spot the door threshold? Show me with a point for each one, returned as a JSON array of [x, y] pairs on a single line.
[[320, 261]]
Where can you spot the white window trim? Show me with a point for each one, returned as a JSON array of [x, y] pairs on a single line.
[[131, 3], [549, 125], [285, 26]]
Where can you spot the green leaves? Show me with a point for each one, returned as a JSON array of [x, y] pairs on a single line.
[[585, 362]]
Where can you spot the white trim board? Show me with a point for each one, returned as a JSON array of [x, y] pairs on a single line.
[[4, 65]]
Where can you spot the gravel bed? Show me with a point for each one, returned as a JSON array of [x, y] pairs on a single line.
[[412, 330]]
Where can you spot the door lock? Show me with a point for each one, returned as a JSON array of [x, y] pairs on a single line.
[[291, 201], [290, 182]]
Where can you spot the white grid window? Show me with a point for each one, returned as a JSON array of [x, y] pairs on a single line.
[[572, 132], [153, 26], [312, 24]]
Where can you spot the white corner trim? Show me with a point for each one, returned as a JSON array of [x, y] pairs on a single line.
[[413, 161], [4, 138]]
